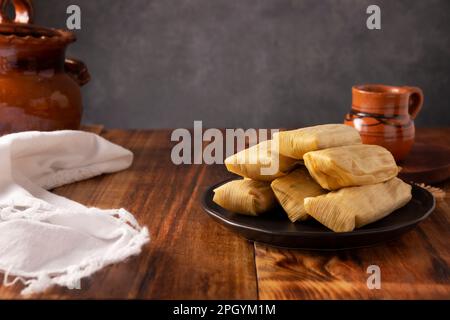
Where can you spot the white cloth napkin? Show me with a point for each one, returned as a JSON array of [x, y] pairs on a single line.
[[49, 240]]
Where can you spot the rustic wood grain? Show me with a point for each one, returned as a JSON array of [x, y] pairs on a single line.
[[94, 128], [189, 257], [416, 266], [192, 257], [413, 267]]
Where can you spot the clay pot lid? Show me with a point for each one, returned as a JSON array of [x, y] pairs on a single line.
[[21, 30], [20, 33]]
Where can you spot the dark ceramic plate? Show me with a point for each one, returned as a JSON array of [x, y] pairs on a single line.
[[274, 228]]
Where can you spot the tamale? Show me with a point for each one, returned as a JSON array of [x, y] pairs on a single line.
[[349, 166], [296, 143], [292, 189], [261, 162], [350, 208], [247, 197]]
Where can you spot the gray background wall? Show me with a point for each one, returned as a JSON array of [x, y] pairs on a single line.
[[252, 63]]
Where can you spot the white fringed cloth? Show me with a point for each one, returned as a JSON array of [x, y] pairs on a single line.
[[46, 239]]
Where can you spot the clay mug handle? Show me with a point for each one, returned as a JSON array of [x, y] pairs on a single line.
[[77, 70], [23, 11], [415, 103]]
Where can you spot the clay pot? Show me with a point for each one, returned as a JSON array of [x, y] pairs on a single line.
[[384, 115], [39, 87]]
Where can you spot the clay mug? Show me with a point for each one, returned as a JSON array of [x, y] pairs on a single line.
[[384, 115], [39, 87]]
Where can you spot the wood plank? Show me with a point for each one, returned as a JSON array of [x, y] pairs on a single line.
[[192, 257], [189, 257], [413, 267], [94, 128], [416, 266]]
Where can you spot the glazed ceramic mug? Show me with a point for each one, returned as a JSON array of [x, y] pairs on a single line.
[[384, 115]]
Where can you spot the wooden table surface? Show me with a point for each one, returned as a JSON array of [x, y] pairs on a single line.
[[192, 257]]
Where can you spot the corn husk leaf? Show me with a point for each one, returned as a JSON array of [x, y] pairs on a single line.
[[349, 166], [261, 162], [248, 197], [350, 208], [296, 143], [291, 190]]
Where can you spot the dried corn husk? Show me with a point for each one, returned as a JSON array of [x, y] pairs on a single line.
[[247, 197], [348, 166], [350, 208], [261, 162], [296, 143], [292, 189]]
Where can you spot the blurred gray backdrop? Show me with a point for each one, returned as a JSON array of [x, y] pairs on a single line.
[[252, 63]]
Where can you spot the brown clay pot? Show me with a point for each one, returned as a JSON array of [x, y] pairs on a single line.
[[39, 87], [384, 115]]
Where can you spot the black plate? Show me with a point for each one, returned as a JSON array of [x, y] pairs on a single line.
[[274, 227]]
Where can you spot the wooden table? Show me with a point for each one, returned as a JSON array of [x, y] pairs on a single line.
[[192, 257]]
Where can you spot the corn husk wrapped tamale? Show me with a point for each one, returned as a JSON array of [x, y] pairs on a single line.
[[292, 189], [246, 196], [350, 208], [350, 166], [261, 162], [296, 143]]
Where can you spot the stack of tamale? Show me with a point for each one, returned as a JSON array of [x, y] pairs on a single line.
[[323, 172]]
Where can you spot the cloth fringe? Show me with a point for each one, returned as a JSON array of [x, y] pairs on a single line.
[[72, 276], [438, 193]]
